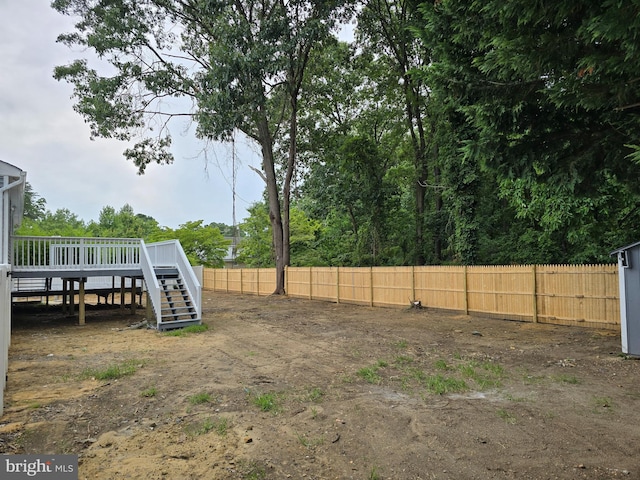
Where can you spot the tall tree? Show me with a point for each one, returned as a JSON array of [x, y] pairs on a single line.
[[240, 62], [544, 97], [384, 27]]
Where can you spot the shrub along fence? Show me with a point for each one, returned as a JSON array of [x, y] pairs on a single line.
[[584, 295]]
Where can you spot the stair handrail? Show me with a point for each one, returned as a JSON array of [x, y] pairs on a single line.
[[170, 253], [153, 287]]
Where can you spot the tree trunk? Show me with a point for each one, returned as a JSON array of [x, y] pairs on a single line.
[[273, 198]]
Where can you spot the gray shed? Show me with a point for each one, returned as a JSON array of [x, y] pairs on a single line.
[[629, 278]]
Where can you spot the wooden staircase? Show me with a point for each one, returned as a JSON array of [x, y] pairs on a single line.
[[177, 307]]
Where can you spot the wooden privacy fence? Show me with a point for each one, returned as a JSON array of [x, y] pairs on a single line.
[[585, 295]]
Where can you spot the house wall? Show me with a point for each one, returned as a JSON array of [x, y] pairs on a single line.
[[5, 327]]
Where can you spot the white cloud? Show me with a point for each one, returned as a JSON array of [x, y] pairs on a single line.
[[41, 134]]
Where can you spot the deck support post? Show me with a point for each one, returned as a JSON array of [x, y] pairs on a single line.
[[72, 298], [122, 292], [81, 309], [65, 293], [133, 295]]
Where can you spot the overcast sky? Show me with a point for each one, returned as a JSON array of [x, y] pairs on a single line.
[[41, 134]]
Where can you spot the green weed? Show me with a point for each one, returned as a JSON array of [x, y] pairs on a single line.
[[403, 360], [149, 392], [369, 374], [401, 344], [309, 442], [183, 332], [200, 398], [267, 402], [441, 365], [209, 424], [565, 378], [440, 385], [112, 372], [506, 416], [252, 471], [602, 404], [315, 395]]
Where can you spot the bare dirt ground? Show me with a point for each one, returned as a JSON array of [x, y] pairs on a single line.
[[281, 388]]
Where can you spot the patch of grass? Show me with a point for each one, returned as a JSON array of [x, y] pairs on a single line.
[[565, 378], [112, 372], [506, 416], [401, 344], [484, 374], [374, 474], [220, 426], [267, 402], [315, 395], [252, 471], [401, 360], [35, 405], [369, 374], [602, 404], [183, 332], [511, 398], [440, 385], [309, 442], [149, 392], [200, 398], [441, 365]]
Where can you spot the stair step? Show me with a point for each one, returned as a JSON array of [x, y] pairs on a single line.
[[178, 310], [178, 316], [166, 271]]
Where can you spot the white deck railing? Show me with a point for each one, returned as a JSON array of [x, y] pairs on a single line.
[[74, 253], [100, 255]]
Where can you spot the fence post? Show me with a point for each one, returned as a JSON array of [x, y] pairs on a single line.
[[337, 284], [371, 286], [413, 283], [242, 281], [535, 294], [227, 281], [286, 278], [310, 283], [466, 292]]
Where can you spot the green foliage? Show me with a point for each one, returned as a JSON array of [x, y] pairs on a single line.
[[203, 245], [123, 223], [541, 98], [449, 132], [61, 223], [256, 247]]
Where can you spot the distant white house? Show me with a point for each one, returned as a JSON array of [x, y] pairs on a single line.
[[232, 252]]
